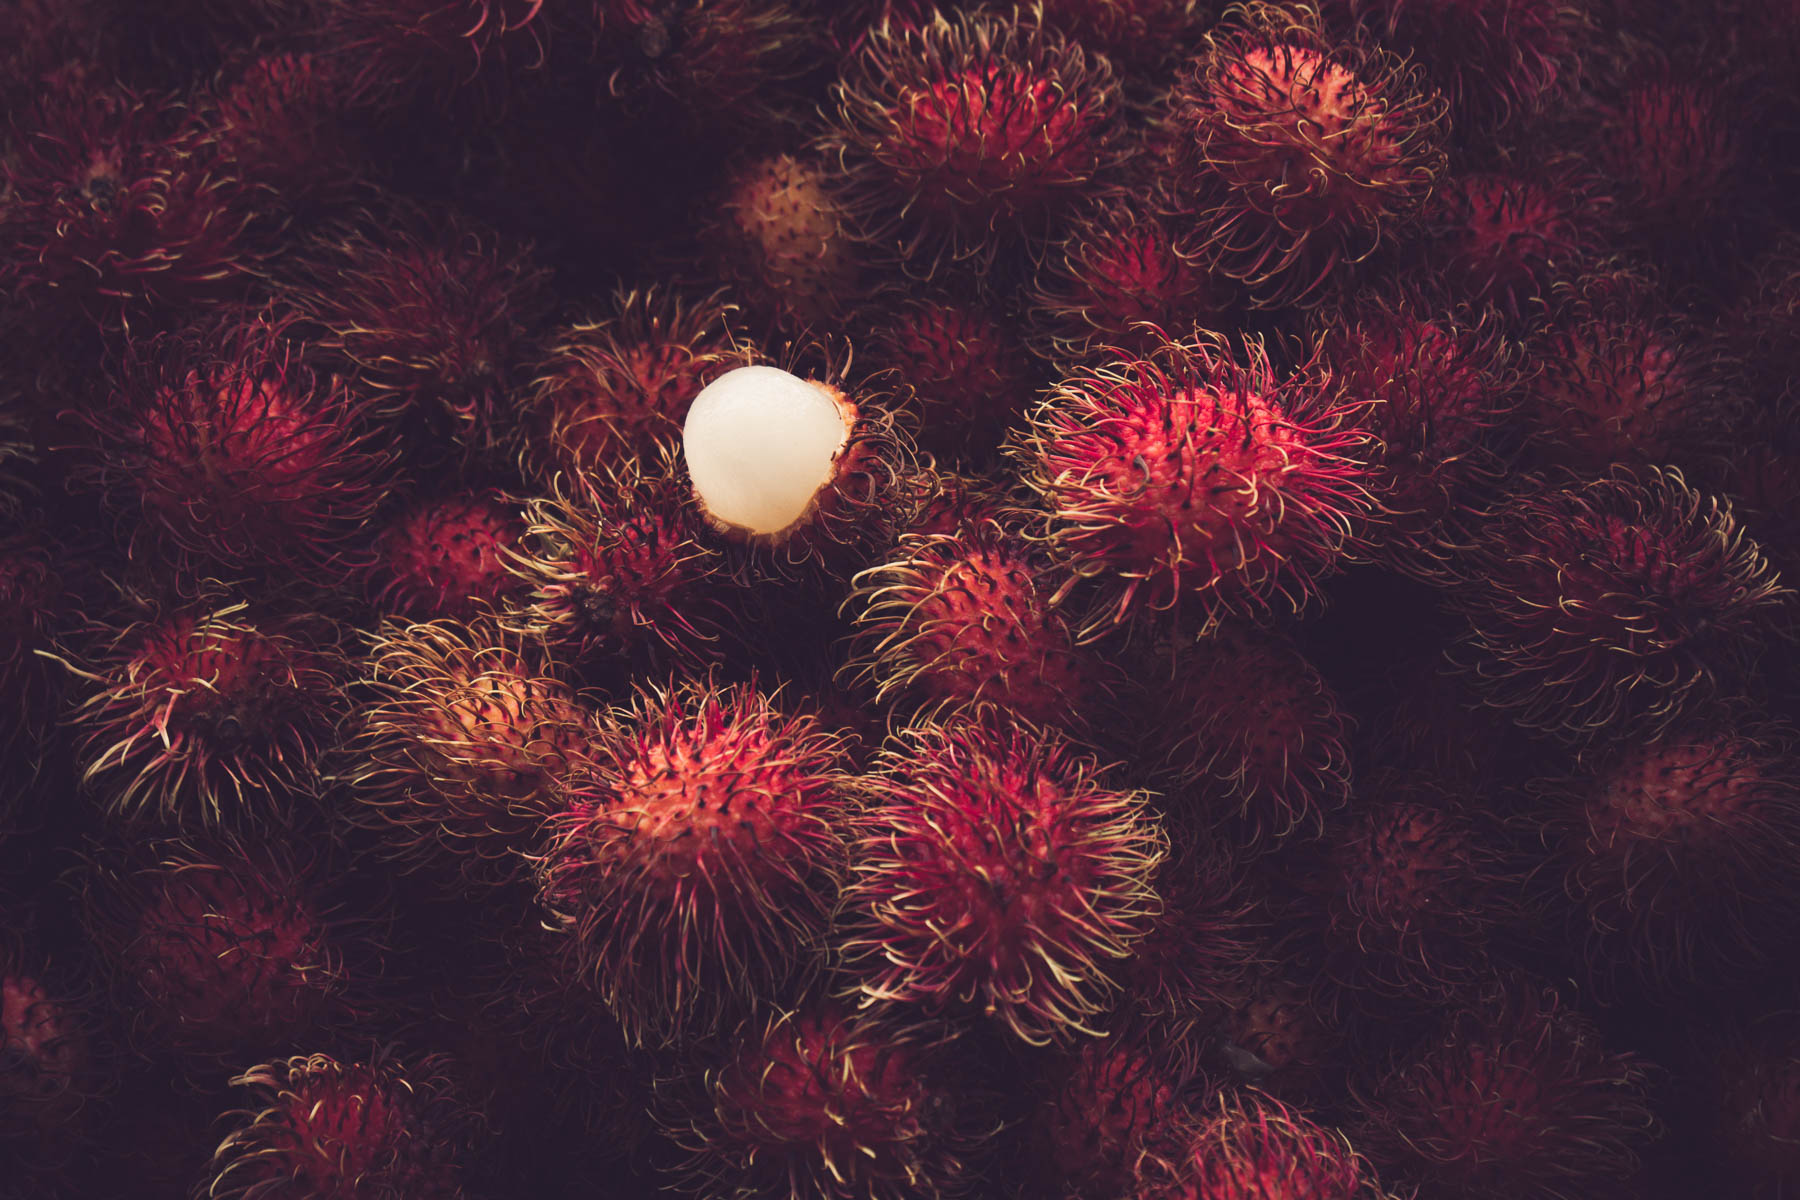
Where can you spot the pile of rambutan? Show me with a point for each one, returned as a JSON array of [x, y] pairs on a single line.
[[899, 599]]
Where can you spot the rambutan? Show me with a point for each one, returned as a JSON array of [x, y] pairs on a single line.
[[282, 119], [399, 51], [1296, 151], [966, 372], [695, 866], [1254, 1147], [1187, 972], [820, 1103], [1106, 1105], [379, 1129], [1670, 147], [1279, 1034], [47, 1065], [723, 61], [1186, 481], [960, 621], [1515, 1097], [1756, 1093], [1502, 240], [445, 557], [1141, 34], [967, 131], [1606, 606], [460, 758], [995, 869]]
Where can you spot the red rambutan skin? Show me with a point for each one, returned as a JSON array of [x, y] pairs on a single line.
[[822, 1103], [1296, 152], [960, 622], [1189, 483], [1254, 1147], [1503, 240], [964, 370], [470, 52], [1140, 34], [462, 750], [1516, 1097], [966, 131], [46, 1050], [993, 869], [695, 866], [1607, 606], [1106, 1105], [282, 118], [1279, 1032], [206, 718], [1676, 854], [1670, 146], [724, 62], [446, 557], [325, 1129], [621, 384]]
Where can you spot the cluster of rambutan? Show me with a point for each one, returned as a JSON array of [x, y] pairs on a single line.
[[1285, 688]]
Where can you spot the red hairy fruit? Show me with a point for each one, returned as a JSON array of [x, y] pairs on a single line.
[[46, 1049], [612, 567], [1140, 33], [695, 866], [462, 754], [445, 557], [1756, 1106], [1254, 1147], [723, 61], [1297, 151], [1516, 1097], [621, 383], [973, 128], [1277, 1033], [281, 117], [968, 374], [820, 1103], [1243, 721], [1670, 148], [231, 452], [1185, 971], [994, 869], [782, 235], [319, 1127], [1502, 240], [961, 622], [1678, 855], [1108, 1104], [1187, 482], [397, 51], [1608, 605], [206, 718]]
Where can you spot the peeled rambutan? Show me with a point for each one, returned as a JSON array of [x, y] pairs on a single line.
[[819, 1103], [399, 51], [378, 1129], [621, 383], [1502, 240], [966, 372], [1296, 151], [695, 865], [446, 557], [208, 717], [995, 870], [460, 757], [961, 621], [1676, 853], [1188, 482], [1515, 1097], [1606, 606], [973, 129]]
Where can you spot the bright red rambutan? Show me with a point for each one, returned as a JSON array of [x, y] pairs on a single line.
[[461, 754], [695, 866], [398, 51], [1502, 240], [1254, 1147], [960, 621], [445, 557], [1609, 605], [965, 372], [1296, 152], [1515, 1097], [1186, 481], [325, 1129], [967, 131], [993, 869]]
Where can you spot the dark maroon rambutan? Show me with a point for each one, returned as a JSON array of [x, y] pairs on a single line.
[[461, 755], [208, 717], [994, 869], [1243, 726], [961, 622], [47, 1062], [1140, 34], [621, 384], [230, 452], [1670, 146], [610, 567], [1188, 971], [1279, 1033], [1502, 240], [820, 1103], [722, 61], [1118, 265], [1516, 1097], [379, 1129], [968, 131], [1189, 482], [397, 51], [963, 368], [1608, 606], [1755, 1106], [446, 557], [1677, 853], [1103, 1108], [1295, 152], [1253, 1147], [695, 865], [281, 118]]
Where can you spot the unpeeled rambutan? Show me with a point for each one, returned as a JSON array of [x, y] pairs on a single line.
[[397, 51], [1670, 147], [445, 557], [695, 865], [1186, 481], [282, 119], [1141, 34], [1606, 606], [1755, 1116], [1503, 239], [993, 869], [1106, 1106], [47, 1063], [1254, 1147], [723, 61], [964, 370]]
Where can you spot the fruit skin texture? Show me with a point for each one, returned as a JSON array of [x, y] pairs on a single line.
[[444, 557], [968, 373], [992, 869], [1607, 606], [47, 1060], [1253, 1147], [1107, 1105], [1503, 239], [398, 50], [326, 1129], [694, 867], [1186, 482], [782, 235]]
